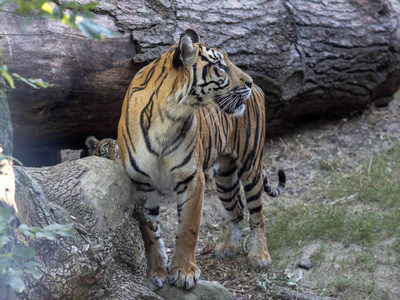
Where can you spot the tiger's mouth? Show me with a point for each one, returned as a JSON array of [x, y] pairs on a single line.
[[233, 102]]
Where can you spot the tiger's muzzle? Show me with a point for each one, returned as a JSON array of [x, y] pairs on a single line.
[[233, 102]]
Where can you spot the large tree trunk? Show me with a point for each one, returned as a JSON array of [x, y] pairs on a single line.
[[105, 258], [308, 56]]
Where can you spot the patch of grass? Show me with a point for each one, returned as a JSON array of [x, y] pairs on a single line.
[[334, 162], [319, 255], [365, 261], [378, 184], [396, 246], [306, 223]]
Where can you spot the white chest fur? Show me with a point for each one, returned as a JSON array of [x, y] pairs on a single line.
[[167, 157]]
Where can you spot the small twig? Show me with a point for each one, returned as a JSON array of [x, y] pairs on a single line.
[[244, 245], [344, 199]]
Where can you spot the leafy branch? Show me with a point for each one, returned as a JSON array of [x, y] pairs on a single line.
[[70, 13], [33, 82], [15, 261]]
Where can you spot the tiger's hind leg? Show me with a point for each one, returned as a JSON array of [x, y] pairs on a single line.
[[155, 252], [253, 184], [228, 188]]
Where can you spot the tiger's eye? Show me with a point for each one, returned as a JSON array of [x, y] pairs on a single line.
[[220, 66]]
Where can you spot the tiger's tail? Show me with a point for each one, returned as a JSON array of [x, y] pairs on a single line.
[[281, 186]]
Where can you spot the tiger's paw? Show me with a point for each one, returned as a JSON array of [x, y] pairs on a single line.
[[156, 279], [185, 278], [224, 250], [260, 260]]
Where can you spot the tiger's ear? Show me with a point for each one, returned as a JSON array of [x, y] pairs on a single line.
[[92, 143], [185, 53]]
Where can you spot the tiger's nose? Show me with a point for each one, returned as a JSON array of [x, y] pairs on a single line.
[[249, 82]]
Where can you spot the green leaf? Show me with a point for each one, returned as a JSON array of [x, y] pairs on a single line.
[[4, 239], [7, 77], [39, 82], [23, 79], [63, 230], [28, 231], [31, 267], [33, 82], [53, 227], [6, 214], [5, 263], [24, 252], [14, 280], [48, 235], [89, 6], [67, 230]]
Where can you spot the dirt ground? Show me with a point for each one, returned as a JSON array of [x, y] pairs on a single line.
[[354, 137]]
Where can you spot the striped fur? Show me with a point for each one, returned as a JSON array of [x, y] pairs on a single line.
[[186, 112], [107, 148]]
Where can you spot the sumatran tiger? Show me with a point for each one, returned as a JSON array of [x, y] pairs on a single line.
[[188, 111], [106, 148]]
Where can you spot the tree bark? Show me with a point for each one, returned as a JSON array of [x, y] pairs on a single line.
[[310, 57], [105, 258]]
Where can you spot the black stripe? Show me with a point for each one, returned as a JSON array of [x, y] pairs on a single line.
[[249, 187], [207, 151], [227, 173], [256, 196], [184, 182], [180, 136], [140, 183], [180, 206], [134, 164], [232, 207], [185, 161], [238, 219], [223, 189], [255, 210], [145, 124], [227, 200], [192, 89]]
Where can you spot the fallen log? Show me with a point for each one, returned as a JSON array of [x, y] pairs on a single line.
[[105, 259]]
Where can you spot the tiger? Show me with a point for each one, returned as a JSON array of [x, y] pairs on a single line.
[[188, 112], [107, 148]]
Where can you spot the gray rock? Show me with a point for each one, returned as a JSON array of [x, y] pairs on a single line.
[[306, 263], [205, 290]]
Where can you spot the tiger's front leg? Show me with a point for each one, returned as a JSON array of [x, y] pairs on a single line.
[[183, 271], [156, 256]]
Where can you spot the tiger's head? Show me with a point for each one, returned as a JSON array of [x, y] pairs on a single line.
[[107, 148], [213, 78]]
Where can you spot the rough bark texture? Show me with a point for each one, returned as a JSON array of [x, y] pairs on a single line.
[[308, 56], [105, 259], [6, 131]]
